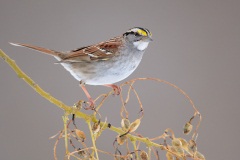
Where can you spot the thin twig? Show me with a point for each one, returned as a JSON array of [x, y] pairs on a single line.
[[93, 139], [65, 119], [135, 149], [55, 145]]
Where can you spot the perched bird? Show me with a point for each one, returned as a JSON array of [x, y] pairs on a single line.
[[104, 63]]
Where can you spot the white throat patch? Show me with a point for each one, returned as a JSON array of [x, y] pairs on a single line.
[[141, 45]]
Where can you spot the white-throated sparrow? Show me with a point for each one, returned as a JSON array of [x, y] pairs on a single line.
[[104, 63]]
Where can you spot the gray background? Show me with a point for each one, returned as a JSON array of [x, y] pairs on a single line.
[[196, 46]]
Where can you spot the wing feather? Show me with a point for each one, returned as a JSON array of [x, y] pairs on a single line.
[[101, 51]]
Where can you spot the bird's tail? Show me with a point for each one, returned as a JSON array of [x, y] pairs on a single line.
[[40, 49]]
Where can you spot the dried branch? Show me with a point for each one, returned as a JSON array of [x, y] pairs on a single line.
[[172, 151]]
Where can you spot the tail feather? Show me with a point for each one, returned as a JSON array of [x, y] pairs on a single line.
[[40, 49]]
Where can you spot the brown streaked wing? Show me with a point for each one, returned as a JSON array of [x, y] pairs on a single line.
[[101, 51]]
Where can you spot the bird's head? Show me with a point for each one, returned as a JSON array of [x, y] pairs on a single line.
[[139, 37]]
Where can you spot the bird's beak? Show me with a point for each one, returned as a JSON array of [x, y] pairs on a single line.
[[147, 39]]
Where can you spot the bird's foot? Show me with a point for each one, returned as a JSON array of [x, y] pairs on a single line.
[[117, 90], [90, 100], [90, 105]]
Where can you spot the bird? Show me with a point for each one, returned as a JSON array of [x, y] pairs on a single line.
[[104, 63]]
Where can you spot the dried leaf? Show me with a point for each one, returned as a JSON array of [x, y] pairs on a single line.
[[192, 146], [187, 128], [80, 134], [78, 105], [143, 155], [121, 139], [96, 127], [125, 123], [199, 156], [176, 142], [134, 125], [184, 144]]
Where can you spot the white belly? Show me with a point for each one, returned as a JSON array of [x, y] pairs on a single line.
[[104, 72]]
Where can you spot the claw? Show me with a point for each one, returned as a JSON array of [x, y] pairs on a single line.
[[117, 90], [90, 106]]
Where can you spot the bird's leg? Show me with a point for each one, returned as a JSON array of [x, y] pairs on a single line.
[[82, 85], [116, 89]]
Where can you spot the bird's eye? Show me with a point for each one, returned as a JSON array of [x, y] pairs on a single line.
[[136, 34]]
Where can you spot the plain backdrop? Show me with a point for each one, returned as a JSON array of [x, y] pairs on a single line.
[[196, 46]]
